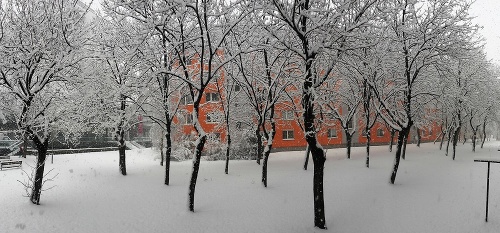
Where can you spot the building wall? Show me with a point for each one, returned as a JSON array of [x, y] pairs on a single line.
[[285, 123]]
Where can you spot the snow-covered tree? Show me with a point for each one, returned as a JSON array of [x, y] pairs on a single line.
[[462, 77], [421, 33], [39, 46], [196, 32], [342, 103], [318, 34], [116, 89]]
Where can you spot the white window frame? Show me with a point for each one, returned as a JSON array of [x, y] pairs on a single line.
[[286, 135], [287, 115], [332, 130], [210, 97], [188, 119], [186, 100]]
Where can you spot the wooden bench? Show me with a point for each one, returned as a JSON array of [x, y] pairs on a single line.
[[10, 164]]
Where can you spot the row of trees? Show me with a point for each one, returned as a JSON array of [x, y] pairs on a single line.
[[407, 64]]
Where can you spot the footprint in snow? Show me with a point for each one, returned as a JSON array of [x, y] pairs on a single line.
[[21, 226]]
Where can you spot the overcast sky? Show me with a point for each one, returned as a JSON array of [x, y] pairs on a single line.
[[487, 13]]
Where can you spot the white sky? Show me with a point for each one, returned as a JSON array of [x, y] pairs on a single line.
[[487, 14]]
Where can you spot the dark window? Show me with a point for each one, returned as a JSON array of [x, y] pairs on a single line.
[[237, 88], [332, 133], [212, 97], [188, 119], [211, 118], [350, 124], [186, 99], [214, 117], [288, 135], [380, 132]]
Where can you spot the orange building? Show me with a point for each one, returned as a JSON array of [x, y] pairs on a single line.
[[289, 134]]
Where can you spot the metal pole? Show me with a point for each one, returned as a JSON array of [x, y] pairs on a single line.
[[487, 191]]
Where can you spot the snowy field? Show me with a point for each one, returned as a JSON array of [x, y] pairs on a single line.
[[432, 194]]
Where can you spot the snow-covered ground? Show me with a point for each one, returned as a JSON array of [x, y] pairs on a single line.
[[432, 194]]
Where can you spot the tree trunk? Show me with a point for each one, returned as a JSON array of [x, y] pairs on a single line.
[[227, 152], [484, 134], [196, 167], [267, 151], [448, 142], [437, 138], [319, 159], [36, 190], [368, 139], [405, 142], [25, 145], [442, 140], [317, 152], [121, 137], [474, 135], [306, 161], [465, 136], [401, 138], [348, 137], [393, 131], [121, 151], [161, 150], [419, 137], [168, 154], [259, 144], [456, 135]]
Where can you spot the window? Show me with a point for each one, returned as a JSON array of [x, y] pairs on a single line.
[[288, 135], [332, 133], [212, 97], [287, 115], [188, 119], [212, 118], [186, 99], [350, 124], [380, 132], [237, 87]]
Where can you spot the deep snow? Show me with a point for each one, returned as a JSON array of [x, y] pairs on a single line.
[[432, 194]]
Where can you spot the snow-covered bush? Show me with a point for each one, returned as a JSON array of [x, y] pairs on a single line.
[[245, 147], [215, 151]]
